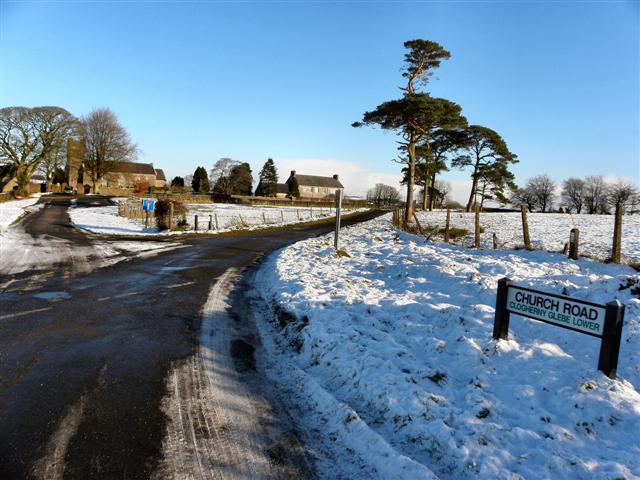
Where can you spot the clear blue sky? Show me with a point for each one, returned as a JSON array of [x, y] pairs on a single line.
[[196, 81]]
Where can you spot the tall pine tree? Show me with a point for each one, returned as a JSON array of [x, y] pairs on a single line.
[[268, 180], [200, 182]]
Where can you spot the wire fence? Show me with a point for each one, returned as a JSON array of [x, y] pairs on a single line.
[[223, 216]]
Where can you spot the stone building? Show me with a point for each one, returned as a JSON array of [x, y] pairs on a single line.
[[314, 186], [161, 179], [122, 175], [129, 175]]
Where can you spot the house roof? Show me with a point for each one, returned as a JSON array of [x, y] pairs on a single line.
[[317, 181], [160, 174], [133, 167]]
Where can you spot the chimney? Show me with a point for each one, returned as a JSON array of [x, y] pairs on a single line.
[[293, 173], [335, 176]]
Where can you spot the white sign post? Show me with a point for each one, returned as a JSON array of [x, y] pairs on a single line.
[[602, 321]]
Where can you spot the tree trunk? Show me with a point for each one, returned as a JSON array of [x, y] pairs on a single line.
[[431, 192], [474, 186], [424, 196], [408, 211], [23, 177]]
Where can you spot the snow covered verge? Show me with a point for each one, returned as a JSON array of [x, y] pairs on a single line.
[[393, 348], [14, 209], [548, 231], [228, 217]]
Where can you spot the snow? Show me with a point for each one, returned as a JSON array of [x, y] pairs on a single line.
[[106, 220], [13, 210], [548, 231], [22, 252], [398, 339]]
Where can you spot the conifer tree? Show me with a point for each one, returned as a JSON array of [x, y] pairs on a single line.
[[268, 180], [200, 182]]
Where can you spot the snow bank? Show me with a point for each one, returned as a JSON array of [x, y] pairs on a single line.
[[14, 209], [400, 333], [548, 231], [229, 217]]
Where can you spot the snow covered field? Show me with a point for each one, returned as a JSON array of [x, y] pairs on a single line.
[[229, 217], [389, 353], [548, 231]]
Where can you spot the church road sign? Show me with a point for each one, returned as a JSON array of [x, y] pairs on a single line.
[[602, 321], [576, 315]]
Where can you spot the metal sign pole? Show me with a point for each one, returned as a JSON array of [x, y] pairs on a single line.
[[338, 208]]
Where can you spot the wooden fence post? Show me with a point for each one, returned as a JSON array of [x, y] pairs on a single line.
[[574, 241], [502, 316], [525, 227], [195, 223], [446, 226], [477, 228], [215, 217], [611, 339], [170, 215], [617, 235], [210, 223], [495, 241], [336, 240]]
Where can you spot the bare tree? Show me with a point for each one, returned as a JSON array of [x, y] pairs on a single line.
[[220, 175], [595, 194], [622, 192], [30, 135], [105, 142], [573, 193], [383, 195], [524, 196], [543, 189]]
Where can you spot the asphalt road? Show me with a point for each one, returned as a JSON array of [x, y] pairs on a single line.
[[86, 360]]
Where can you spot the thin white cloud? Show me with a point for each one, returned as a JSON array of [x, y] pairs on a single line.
[[357, 179]]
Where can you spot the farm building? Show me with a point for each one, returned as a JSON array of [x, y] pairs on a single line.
[[314, 186]]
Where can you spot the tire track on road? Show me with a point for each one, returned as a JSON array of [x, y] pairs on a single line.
[[220, 424]]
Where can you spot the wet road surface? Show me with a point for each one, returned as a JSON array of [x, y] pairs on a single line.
[[87, 361]]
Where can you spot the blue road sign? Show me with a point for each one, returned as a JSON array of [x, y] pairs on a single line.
[[148, 205]]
